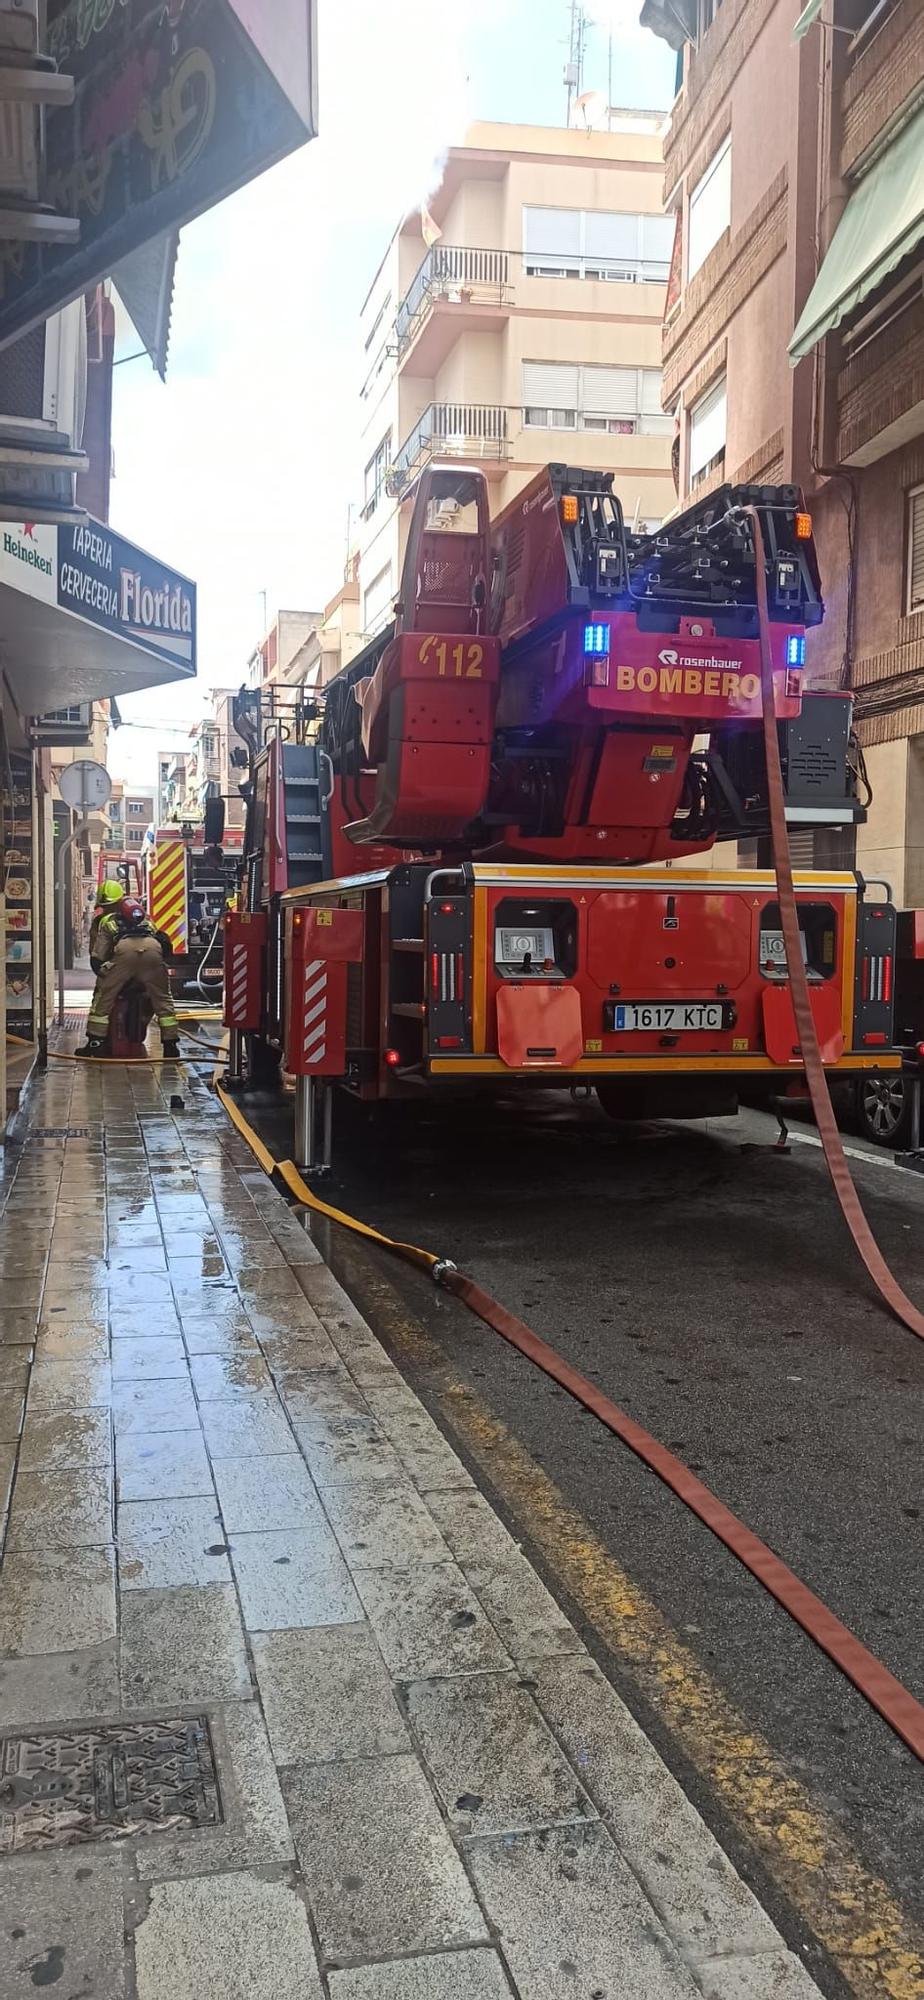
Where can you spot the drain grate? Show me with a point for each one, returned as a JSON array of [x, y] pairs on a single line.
[[118, 1781]]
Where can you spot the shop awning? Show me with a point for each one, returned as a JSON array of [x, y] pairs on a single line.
[[84, 614], [144, 281], [807, 16], [882, 223]]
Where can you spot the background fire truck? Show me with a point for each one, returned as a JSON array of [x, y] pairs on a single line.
[[186, 886]]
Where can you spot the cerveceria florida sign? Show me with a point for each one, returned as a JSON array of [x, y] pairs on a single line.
[[103, 580], [116, 585]]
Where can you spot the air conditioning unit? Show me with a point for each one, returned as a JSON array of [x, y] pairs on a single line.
[[29, 83], [43, 395]]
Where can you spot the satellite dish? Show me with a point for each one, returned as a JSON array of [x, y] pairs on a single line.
[[591, 108]]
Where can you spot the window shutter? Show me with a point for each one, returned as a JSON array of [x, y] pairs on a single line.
[[550, 385], [610, 392], [651, 392], [552, 232], [916, 550], [710, 208], [707, 428], [609, 237], [657, 238]]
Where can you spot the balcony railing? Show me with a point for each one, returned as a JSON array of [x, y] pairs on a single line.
[[454, 273], [470, 431]]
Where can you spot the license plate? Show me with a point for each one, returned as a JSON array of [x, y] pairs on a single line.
[[209, 974], [676, 1017]]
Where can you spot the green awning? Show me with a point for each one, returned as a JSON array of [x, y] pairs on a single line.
[[882, 223], [807, 16]]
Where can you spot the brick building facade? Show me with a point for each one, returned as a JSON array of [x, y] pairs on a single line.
[[785, 124]]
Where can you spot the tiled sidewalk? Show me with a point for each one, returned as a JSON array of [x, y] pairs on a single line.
[[251, 1599]]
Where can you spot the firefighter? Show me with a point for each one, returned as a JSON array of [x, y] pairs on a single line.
[[129, 947], [107, 895]]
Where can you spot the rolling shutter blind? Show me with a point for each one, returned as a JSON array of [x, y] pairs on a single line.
[[610, 392], [550, 385]]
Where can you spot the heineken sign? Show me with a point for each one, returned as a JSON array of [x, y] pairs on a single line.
[[100, 578], [178, 102]]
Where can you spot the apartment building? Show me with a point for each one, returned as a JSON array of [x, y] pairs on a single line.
[[516, 320], [230, 774], [132, 809], [794, 338], [279, 660], [172, 785], [337, 638]]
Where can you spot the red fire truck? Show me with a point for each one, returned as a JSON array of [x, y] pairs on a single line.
[[471, 869], [187, 883]]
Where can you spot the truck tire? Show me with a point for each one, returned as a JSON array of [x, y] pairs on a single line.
[[882, 1109]]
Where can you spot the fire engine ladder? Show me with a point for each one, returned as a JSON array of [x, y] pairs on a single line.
[[301, 779]]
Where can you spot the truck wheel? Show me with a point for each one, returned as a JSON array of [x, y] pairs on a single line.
[[883, 1109]]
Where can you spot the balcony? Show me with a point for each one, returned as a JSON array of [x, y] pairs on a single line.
[[459, 287], [473, 432]]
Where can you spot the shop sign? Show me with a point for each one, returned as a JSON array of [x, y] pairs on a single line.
[[178, 102], [106, 581]]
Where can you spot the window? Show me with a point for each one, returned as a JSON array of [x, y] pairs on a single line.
[[706, 11], [707, 432], [710, 209], [380, 315], [865, 18], [137, 808], [597, 243], [377, 601], [375, 475], [565, 396], [914, 599]]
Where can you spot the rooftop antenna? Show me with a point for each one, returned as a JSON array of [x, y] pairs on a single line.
[[574, 67]]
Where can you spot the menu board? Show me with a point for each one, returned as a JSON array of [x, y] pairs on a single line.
[[18, 878]]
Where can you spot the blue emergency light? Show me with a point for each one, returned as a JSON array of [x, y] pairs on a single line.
[[596, 641], [795, 649]]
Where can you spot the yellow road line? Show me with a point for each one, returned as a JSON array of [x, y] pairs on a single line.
[[876, 1946]]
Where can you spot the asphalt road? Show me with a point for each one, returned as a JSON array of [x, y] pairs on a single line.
[[708, 1285]]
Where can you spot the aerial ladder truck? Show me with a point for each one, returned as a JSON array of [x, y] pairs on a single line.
[[468, 861]]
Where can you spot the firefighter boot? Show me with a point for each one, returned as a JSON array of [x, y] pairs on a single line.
[[95, 1045]]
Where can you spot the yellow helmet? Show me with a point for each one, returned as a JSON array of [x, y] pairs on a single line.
[[109, 892]]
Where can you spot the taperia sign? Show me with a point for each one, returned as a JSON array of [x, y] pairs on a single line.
[[106, 581]]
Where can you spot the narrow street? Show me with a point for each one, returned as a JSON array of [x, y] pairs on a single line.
[[707, 1284]]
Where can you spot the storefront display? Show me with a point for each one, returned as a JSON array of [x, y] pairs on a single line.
[[18, 878]]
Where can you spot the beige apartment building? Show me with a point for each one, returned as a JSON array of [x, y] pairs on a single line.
[[794, 338], [516, 320]]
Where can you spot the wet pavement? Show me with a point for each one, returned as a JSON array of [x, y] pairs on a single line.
[[283, 1707]]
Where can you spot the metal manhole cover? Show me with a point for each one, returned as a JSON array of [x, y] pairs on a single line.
[[118, 1781], [59, 1132]]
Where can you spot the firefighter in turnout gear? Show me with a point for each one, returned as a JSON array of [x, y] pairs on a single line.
[[128, 947], [107, 895]]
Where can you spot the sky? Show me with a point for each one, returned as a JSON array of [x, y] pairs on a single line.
[[241, 470]]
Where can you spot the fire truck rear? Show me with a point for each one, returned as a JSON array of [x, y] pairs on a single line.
[[472, 870]]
